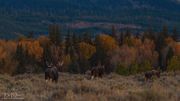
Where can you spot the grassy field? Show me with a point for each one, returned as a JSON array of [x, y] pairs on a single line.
[[71, 87]]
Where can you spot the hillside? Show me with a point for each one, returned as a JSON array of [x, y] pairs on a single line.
[[23, 16], [77, 88]]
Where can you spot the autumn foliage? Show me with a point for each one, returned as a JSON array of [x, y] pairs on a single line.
[[33, 48], [124, 53], [86, 50], [106, 43]]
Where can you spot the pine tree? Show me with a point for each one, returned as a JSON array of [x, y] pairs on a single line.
[[30, 35], [22, 58], [87, 38], [121, 38], [114, 33], [164, 31], [175, 35], [54, 34], [68, 42]]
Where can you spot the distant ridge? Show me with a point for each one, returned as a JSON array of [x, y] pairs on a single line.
[[24, 16]]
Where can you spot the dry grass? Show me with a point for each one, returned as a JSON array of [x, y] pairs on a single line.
[[77, 88]]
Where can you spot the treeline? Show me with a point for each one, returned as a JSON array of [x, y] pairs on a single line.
[[120, 52]]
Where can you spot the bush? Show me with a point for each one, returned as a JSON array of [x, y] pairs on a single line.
[[133, 68], [174, 64], [121, 70]]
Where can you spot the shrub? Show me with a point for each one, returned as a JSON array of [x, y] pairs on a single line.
[[174, 64], [122, 70], [133, 68]]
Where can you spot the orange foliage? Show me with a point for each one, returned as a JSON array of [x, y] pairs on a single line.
[[33, 48], [136, 42], [177, 49], [43, 40], [170, 41], [7, 51], [125, 55], [139, 52], [107, 43], [146, 51], [86, 50]]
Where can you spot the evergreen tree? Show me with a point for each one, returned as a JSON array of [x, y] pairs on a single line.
[[164, 31], [30, 35], [114, 33], [175, 35], [127, 33], [87, 38], [149, 34], [68, 42], [54, 34], [75, 42], [121, 38], [160, 46], [22, 57]]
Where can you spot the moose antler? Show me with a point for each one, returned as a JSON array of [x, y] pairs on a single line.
[[60, 63]]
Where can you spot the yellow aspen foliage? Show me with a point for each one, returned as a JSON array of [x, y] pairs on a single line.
[[43, 40], [67, 61], [124, 55], [7, 51], [33, 48], [136, 42], [86, 50], [147, 52], [106, 43]]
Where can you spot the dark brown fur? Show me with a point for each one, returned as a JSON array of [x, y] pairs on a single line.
[[51, 73], [96, 72], [154, 73]]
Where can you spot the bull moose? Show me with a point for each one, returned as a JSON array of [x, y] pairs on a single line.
[[148, 75], [51, 73]]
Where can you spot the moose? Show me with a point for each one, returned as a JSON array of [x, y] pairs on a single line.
[[148, 75], [51, 73], [53, 64], [97, 71]]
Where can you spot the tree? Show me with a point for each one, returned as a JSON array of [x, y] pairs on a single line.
[[86, 50], [105, 46], [114, 33], [164, 31], [30, 35], [54, 34], [7, 62], [177, 49], [106, 43], [87, 38], [121, 38], [68, 42], [148, 34], [175, 34]]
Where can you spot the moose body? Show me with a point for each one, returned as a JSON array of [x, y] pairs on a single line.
[[96, 72], [51, 74], [148, 75]]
